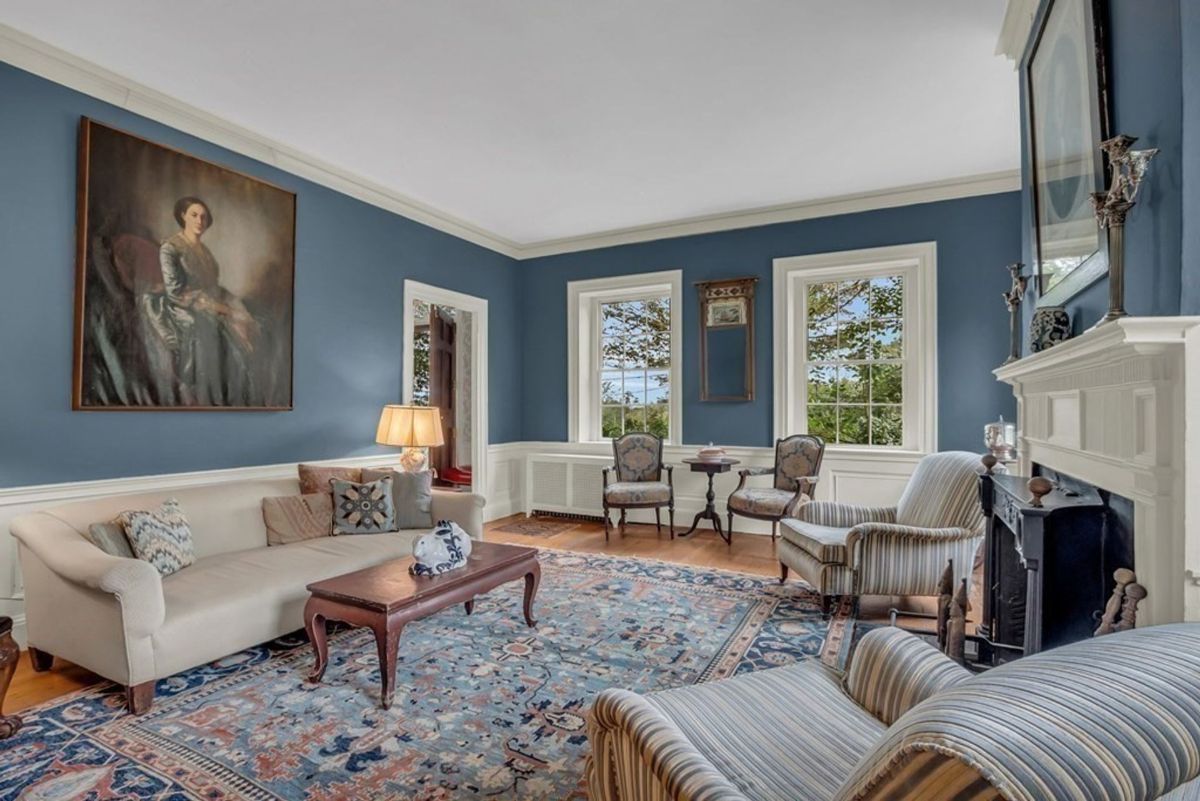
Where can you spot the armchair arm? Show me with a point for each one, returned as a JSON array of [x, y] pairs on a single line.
[[893, 671], [670, 468], [135, 584], [753, 471], [464, 508], [630, 737], [891, 559], [843, 515]]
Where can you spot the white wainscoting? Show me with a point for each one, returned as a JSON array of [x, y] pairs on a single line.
[[521, 477], [566, 477]]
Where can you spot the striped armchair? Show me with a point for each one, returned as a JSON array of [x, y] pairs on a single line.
[[843, 549], [1111, 719]]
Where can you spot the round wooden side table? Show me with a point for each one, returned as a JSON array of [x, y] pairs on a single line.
[[711, 467]]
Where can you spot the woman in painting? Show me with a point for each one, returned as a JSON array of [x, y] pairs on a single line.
[[207, 331]]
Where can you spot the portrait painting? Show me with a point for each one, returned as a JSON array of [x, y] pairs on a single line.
[[1067, 121], [184, 281]]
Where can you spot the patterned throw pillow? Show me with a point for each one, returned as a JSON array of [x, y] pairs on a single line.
[[162, 538], [363, 508], [412, 493], [293, 518], [315, 478], [110, 538]]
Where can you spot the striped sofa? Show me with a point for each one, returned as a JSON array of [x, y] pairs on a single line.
[[1111, 719], [844, 549]]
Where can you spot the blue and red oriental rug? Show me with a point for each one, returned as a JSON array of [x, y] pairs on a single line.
[[484, 707]]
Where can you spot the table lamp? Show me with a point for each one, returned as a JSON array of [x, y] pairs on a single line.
[[413, 428]]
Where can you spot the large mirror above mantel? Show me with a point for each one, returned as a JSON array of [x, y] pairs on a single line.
[[727, 339]]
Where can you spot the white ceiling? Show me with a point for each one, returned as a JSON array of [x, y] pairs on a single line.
[[545, 119]]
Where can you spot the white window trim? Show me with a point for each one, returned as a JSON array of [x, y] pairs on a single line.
[[478, 307], [918, 264], [583, 346]]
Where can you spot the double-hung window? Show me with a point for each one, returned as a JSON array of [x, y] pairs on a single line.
[[856, 347], [624, 369]]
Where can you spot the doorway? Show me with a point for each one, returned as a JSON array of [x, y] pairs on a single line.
[[445, 366]]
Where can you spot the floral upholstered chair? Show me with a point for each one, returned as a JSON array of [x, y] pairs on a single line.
[[637, 461], [797, 463]]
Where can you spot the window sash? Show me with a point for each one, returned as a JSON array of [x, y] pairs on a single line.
[[905, 361]]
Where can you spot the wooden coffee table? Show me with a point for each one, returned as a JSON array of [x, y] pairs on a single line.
[[385, 597]]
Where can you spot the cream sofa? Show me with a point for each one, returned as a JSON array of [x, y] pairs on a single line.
[[118, 618]]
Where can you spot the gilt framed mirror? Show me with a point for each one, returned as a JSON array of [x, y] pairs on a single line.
[[727, 339]]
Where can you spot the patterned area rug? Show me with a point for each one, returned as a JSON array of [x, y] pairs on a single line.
[[538, 526], [484, 707]]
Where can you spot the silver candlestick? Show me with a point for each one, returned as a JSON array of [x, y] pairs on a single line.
[[1012, 299], [1111, 208]]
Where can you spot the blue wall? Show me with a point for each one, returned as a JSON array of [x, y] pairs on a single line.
[[351, 262], [976, 238], [1189, 18], [1145, 80]]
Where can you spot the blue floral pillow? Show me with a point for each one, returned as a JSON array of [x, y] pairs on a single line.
[[363, 508], [162, 538]]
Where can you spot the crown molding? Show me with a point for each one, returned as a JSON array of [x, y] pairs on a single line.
[[54, 64], [952, 189], [1014, 32]]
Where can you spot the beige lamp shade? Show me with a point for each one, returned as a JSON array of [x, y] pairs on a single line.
[[410, 426]]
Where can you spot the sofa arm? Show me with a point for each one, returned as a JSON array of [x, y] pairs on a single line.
[[135, 584], [844, 515], [892, 671], [630, 737], [464, 508]]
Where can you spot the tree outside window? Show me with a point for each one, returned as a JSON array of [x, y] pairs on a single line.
[[855, 360], [635, 364]]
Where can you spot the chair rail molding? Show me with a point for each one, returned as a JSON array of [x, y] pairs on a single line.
[[1119, 407]]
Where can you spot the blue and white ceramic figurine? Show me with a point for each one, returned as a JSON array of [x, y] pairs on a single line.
[[441, 550]]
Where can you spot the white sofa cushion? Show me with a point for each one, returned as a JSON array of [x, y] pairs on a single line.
[[231, 599]]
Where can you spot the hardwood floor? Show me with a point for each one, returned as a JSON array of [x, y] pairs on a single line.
[[749, 554]]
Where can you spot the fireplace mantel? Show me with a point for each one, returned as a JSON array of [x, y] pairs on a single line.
[[1119, 407]]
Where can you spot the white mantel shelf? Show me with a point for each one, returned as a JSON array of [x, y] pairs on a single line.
[[1119, 407]]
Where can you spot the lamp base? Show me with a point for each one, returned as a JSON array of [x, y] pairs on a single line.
[[413, 460]]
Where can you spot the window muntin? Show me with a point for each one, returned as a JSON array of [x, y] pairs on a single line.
[[635, 365], [855, 360]]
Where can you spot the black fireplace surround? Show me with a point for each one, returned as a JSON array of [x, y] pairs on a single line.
[[1048, 569]]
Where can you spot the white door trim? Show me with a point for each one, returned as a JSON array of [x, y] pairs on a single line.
[[478, 307]]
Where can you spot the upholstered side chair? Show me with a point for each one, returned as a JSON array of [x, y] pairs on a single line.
[[638, 466], [797, 463], [844, 549]]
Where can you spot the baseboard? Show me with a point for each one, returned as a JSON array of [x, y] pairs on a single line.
[[18, 631]]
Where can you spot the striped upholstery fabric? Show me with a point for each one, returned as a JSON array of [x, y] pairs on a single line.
[[943, 492], [825, 543], [893, 671], [844, 515], [1116, 717], [904, 560], [899, 550], [827, 578], [729, 739]]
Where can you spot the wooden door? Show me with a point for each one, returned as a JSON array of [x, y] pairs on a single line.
[[442, 335]]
